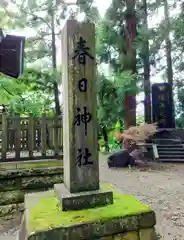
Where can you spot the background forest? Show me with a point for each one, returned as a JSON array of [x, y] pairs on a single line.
[[136, 40]]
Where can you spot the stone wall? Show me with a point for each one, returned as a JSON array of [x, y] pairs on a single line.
[[141, 234], [15, 183]]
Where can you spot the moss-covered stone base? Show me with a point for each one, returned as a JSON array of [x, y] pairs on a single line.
[[14, 184], [127, 218]]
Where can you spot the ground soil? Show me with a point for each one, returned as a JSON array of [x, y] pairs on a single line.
[[159, 185]]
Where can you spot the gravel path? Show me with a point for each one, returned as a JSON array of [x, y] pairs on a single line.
[[161, 186], [8, 229]]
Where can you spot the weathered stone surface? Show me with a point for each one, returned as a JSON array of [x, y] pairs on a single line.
[[30, 179], [10, 197], [9, 184], [40, 164], [14, 184], [148, 234], [11, 209], [149, 220], [82, 200], [96, 230], [30, 182], [80, 139], [40, 182], [30, 172], [127, 236]]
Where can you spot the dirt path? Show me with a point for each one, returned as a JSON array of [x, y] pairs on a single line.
[[161, 186]]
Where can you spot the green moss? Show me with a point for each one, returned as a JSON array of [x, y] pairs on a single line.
[[46, 213], [7, 166], [31, 164], [39, 164]]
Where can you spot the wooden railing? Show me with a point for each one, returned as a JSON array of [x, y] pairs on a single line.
[[30, 138]]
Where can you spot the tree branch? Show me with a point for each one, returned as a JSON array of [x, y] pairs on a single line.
[[6, 90], [26, 13]]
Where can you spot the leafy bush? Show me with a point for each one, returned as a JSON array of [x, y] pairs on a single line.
[[137, 134]]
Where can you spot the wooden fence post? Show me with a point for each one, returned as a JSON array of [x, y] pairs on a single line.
[[4, 136], [56, 134], [60, 138], [43, 135], [51, 134], [17, 127], [31, 136]]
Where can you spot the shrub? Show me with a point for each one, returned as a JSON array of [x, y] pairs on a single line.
[[137, 134]]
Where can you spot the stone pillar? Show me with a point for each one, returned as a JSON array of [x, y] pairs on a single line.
[[80, 134], [79, 116], [102, 219]]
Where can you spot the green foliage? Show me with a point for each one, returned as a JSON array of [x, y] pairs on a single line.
[[31, 93], [10, 89], [110, 97], [140, 120]]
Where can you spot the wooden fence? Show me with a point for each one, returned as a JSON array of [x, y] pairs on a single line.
[[30, 138]]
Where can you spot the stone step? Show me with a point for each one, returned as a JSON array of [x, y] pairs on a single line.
[[170, 146], [171, 156], [167, 144], [173, 152], [179, 148], [170, 150], [171, 160], [167, 141]]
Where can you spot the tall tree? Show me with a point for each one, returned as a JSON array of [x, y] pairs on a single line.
[[168, 49], [54, 63], [146, 63], [130, 53]]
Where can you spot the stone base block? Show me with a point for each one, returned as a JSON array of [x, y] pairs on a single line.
[[127, 218], [82, 200], [148, 233]]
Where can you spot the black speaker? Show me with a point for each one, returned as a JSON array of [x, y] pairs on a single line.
[[12, 55]]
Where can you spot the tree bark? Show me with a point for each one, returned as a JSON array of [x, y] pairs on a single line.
[[130, 96], [146, 54], [54, 65], [168, 49]]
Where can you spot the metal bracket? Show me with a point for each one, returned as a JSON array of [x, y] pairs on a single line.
[[155, 152]]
